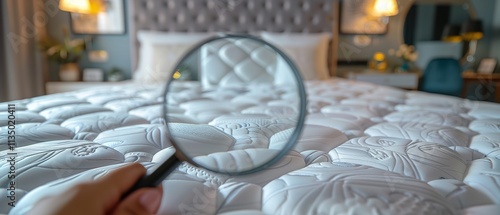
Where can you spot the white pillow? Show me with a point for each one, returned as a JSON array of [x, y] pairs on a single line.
[[160, 51], [308, 51]]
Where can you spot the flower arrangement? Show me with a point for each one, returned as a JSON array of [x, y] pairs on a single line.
[[407, 54], [69, 51]]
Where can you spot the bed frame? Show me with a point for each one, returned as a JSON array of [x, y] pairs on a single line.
[[235, 16]]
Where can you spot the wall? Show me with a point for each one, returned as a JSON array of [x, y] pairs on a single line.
[[117, 46], [495, 47], [485, 11], [425, 22], [394, 37]]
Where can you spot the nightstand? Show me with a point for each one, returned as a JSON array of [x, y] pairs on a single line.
[[61, 87], [484, 87], [402, 80]]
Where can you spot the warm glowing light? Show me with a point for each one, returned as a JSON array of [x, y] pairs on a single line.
[[379, 56], [385, 8], [472, 30], [470, 36], [176, 75], [453, 39], [81, 6]]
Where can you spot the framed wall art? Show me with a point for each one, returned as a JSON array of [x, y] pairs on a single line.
[[356, 19], [487, 66], [111, 20]]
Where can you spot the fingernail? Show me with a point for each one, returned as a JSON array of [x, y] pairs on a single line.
[[151, 200]]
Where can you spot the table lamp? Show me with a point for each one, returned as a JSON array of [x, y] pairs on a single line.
[[82, 6], [472, 31], [452, 33], [383, 8]]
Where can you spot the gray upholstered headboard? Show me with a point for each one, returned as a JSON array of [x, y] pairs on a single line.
[[236, 16]]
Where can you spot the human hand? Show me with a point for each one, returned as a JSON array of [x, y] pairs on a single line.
[[103, 196]]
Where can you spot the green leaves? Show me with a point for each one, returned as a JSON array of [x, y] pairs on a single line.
[[69, 51]]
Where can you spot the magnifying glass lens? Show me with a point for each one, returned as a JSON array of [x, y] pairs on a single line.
[[241, 105], [234, 105]]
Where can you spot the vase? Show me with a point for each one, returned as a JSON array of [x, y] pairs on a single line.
[[69, 72], [405, 67], [115, 77]]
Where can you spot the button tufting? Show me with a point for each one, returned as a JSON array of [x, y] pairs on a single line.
[[164, 4], [235, 15], [242, 19], [181, 18], [297, 20], [171, 4], [200, 19], [250, 5], [269, 5], [209, 4], [222, 18], [305, 5], [191, 4]]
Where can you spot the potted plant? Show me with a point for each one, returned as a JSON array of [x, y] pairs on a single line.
[[115, 74], [66, 54]]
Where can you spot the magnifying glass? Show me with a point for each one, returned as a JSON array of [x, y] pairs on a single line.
[[234, 104]]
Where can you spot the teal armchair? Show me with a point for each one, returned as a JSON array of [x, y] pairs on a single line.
[[443, 76]]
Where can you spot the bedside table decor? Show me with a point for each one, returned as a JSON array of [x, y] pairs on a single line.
[[66, 54], [407, 54], [69, 72], [115, 74], [408, 80], [487, 66], [471, 31], [378, 62], [93, 75]]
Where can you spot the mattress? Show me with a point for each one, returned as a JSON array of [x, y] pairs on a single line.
[[365, 149]]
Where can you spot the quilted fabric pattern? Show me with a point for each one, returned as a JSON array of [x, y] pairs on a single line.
[[47, 161], [415, 159], [31, 133], [364, 148], [237, 62], [331, 188]]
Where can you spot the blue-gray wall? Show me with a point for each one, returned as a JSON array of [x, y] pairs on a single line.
[[117, 46], [393, 38], [425, 22], [495, 48], [485, 11]]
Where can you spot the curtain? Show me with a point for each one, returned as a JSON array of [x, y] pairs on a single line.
[[3, 89], [23, 66]]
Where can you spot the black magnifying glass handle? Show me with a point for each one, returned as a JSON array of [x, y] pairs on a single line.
[[157, 176]]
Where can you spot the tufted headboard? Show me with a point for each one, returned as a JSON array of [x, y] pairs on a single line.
[[235, 16]]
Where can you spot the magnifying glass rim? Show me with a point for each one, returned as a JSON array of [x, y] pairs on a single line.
[[302, 110]]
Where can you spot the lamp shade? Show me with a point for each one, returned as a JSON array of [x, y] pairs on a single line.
[[472, 30], [451, 33], [385, 8], [81, 6]]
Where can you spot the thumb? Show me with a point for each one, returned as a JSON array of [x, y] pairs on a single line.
[[145, 201]]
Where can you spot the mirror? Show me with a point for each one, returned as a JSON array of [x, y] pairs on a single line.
[[234, 105], [426, 22], [424, 26]]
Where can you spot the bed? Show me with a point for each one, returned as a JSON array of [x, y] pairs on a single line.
[[365, 148]]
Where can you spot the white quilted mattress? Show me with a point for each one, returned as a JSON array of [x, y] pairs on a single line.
[[365, 149]]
